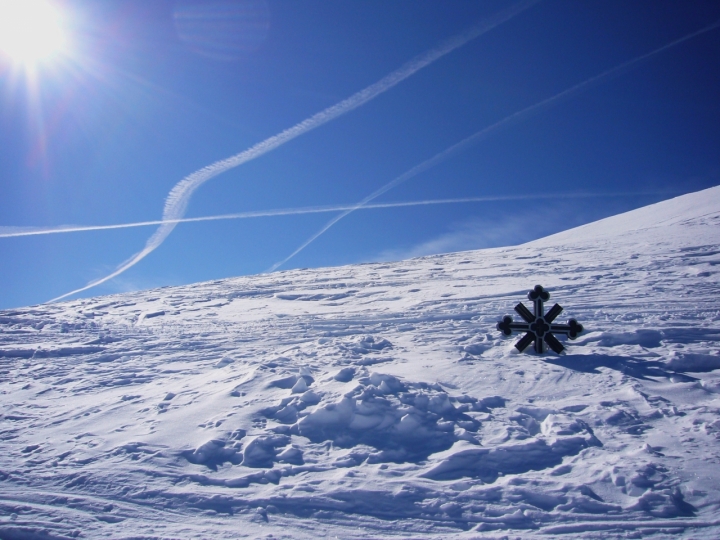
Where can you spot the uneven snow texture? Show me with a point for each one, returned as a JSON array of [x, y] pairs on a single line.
[[378, 400]]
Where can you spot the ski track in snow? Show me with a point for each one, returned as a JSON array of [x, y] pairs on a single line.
[[378, 400]]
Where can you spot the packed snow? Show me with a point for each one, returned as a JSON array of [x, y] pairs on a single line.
[[379, 400]]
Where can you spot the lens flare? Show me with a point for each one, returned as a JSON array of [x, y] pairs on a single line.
[[30, 30], [222, 29]]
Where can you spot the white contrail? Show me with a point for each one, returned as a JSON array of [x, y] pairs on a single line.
[[483, 133], [15, 232], [179, 197]]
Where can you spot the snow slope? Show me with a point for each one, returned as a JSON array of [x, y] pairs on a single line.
[[378, 400]]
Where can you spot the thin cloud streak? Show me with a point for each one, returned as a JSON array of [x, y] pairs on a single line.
[[179, 197], [484, 133], [15, 232]]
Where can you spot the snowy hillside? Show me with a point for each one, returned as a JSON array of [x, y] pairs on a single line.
[[379, 400]]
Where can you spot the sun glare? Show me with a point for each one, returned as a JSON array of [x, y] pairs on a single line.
[[30, 30]]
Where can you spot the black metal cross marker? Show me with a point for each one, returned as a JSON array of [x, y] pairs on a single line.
[[538, 326]]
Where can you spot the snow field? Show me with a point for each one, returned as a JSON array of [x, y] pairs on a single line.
[[378, 400]]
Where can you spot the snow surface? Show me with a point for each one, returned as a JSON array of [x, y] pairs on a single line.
[[379, 400]]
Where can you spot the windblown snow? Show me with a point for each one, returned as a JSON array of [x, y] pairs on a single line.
[[379, 400]]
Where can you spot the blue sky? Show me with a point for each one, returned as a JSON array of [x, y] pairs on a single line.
[[148, 92]]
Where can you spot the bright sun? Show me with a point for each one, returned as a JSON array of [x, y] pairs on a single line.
[[30, 30]]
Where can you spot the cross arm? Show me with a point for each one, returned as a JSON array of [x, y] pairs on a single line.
[[506, 326], [524, 312], [554, 344], [552, 314], [525, 341], [572, 329]]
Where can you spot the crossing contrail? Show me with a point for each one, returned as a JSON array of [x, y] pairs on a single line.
[[15, 232], [179, 197], [484, 133]]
